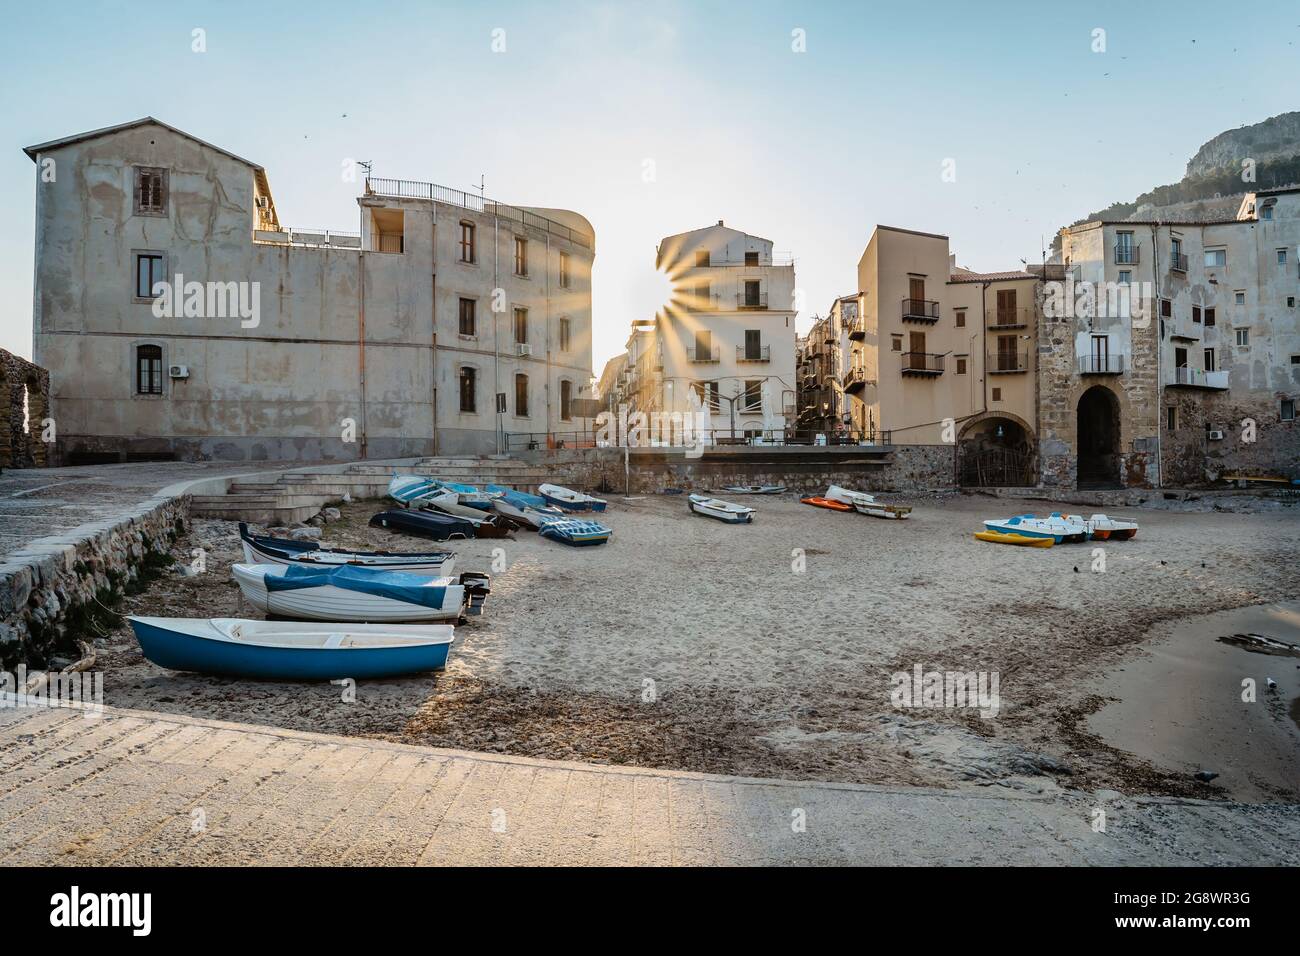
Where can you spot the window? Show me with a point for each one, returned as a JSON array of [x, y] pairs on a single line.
[[149, 271], [1281, 257], [148, 370], [1209, 360], [521, 326], [467, 317], [751, 258], [564, 270], [564, 335], [753, 344], [1125, 277], [1196, 314], [566, 400], [961, 318], [701, 258], [1171, 418], [1166, 308], [521, 256], [1243, 338], [1240, 298], [753, 401], [961, 365], [1290, 302], [1176, 247], [150, 191], [1209, 316], [521, 396], [1266, 213], [752, 296], [896, 344], [1287, 411], [467, 253], [1216, 257], [703, 295], [997, 394], [468, 392]]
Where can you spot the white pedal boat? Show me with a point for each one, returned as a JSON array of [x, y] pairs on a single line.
[[359, 594], [717, 508], [1105, 528]]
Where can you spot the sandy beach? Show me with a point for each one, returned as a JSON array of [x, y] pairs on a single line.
[[768, 649]]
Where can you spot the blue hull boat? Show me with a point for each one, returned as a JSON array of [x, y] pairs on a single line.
[[569, 500], [575, 532], [520, 499], [1056, 526], [289, 650]]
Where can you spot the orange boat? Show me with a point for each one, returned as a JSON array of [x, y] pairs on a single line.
[[826, 503]]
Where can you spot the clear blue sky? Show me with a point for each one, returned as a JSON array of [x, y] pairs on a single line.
[[807, 149]]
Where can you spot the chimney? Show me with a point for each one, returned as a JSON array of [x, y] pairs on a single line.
[[719, 222]]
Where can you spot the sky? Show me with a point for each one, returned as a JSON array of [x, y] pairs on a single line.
[[656, 118]]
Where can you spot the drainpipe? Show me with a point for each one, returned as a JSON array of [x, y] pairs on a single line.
[[496, 348], [1160, 347], [361, 340], [433, 318], [547, 316]]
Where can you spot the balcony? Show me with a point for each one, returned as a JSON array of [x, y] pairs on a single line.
[[762, 353], [926, 364], [1020, 318], [700, 356], [1177, 262], [706, 302], [1184, 377], [750, 300], [1127, 255], [1007, 363], [856, 380], [920, 310], [1101, 365], [857, 330]]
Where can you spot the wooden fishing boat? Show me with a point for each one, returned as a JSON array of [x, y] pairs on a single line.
[[1105, 528], [288, 650], [848, 496], [485, 525], [878, 509], [1056, 526], [1020, 539], [427, 524], [754, 489], [819, 502], [570, 500], [264, 549], [717, 508], [469, 495], [527, 517], [575, 531], [520, 499], [408, 489], [360, 594]]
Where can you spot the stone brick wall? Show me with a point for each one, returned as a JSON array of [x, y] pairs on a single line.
[[650, 471], [1192, 459], [19, 379], [54, 589]]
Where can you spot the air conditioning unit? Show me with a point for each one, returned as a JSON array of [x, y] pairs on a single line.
[[1214, 435], [525, 348], [178, 371]]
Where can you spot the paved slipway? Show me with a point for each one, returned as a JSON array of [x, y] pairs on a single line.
[[128, 787]]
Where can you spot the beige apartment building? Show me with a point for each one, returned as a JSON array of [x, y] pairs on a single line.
[[726, 340], [1187, 367], [942, 355], [280, 343]]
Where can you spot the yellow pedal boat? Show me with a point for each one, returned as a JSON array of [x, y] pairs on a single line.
[[1020, 539]]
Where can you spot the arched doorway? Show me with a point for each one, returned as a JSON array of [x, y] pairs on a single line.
[[1098, 438], [996, 452]]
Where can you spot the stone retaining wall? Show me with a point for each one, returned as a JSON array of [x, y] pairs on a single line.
[[24, 404], [53, 589]]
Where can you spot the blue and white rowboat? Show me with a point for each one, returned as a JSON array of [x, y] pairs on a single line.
[[408, 489], [1056, 526], [575, 531], [359, 594], [288, 650], [570, 500], [722, 510]]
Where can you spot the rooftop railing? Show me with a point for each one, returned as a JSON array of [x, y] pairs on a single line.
[[409, 189]]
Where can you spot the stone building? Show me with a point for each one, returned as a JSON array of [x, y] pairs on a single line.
[[180, 318], [24, 404], [1170, 352]]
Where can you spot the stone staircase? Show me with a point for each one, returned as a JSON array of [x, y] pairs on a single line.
[[291, 496]]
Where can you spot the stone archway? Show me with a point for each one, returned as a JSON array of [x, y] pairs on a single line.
[[996, 451], [1098, 439]]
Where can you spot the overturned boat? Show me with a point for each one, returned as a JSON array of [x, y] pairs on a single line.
[[409, 489], [722, 510], [288, 650], [570, 500], [1105, 528], [575, 531], [828, 503], [427, 524], [866, 504], [264, 549], [754, 489], [360, 594]]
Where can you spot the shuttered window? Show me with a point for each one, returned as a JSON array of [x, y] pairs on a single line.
[[150, 191], [148, 369]]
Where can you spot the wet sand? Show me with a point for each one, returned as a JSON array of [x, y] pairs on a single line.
[[1179, 701], [767, 649]]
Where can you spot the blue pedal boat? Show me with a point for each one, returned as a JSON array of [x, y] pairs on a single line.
[[1056, 526], [576, 532], [291, 650]]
